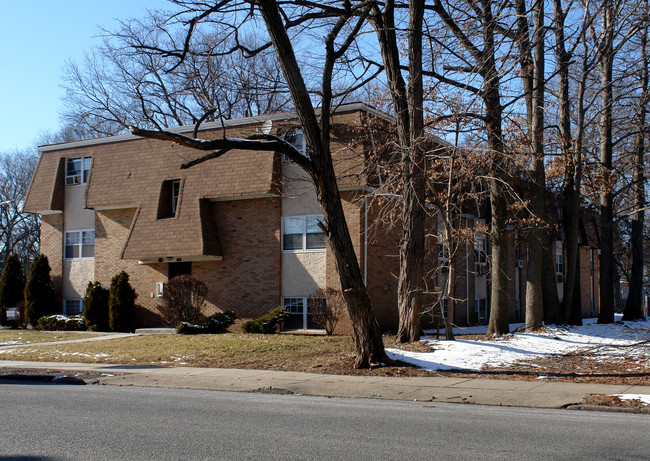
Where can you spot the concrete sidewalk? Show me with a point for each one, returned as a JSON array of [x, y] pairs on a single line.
[[482, 391]]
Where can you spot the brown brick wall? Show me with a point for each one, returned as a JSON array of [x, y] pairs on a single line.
[[247, 281], [111, 231], [52, 247]]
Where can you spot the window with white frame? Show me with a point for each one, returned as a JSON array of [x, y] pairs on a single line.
[[296, 138], [76, 170], [480, 306], [73, 306], [302, 233], [80, 244], [299, 317]]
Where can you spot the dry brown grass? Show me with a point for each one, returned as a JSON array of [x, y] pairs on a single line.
[[318, 354], [35, 336]]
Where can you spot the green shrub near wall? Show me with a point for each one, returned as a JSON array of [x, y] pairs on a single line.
[[96, 307], [40, 298], [12, 286], [121, 303], [268, 323]]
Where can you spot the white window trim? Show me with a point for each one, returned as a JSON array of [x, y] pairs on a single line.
[[304, 235], [83, 179], [305, 300], [65, 306], [80, 232]]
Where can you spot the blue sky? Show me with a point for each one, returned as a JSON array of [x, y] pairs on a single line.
[[36, 38]]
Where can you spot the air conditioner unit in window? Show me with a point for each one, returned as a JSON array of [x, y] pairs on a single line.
[[160, 288], [560, 278]]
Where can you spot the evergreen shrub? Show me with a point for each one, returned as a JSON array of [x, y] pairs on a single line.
[[96, 307], [269, 323], [40, 298], [121, 303], [217, 323], [12, 286]]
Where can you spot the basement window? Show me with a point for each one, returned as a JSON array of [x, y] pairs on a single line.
[[73, 306], [170, 193]]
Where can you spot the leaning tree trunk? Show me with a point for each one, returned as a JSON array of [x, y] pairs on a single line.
[[366, 332]]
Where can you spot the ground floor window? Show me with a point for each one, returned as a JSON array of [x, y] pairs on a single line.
[[481, 307], [73, 306], [299, 317]]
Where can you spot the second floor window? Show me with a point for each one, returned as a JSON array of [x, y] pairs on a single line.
[[76, 170], [302, 233], [296, 139], [80, 244]]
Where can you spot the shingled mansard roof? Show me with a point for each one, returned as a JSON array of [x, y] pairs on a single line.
[[128, 173]]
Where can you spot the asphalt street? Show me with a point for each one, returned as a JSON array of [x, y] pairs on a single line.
[[62, 422]]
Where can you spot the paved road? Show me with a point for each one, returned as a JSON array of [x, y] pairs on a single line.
[[59, 422]]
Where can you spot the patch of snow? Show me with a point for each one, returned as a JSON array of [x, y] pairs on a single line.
[[644, 398], [521, 346], [11, 343]]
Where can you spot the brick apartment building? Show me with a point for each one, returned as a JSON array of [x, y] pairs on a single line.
[[244, 223]]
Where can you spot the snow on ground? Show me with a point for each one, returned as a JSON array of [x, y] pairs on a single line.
[[644, 398], [520, 346]]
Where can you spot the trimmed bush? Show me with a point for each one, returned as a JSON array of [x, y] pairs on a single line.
[[96, 307], [182, 301], [12, 286], [40, 299], [121, 303], [217, 323], [60, 322], [269, 323]]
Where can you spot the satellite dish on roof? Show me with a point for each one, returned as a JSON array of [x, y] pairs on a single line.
[[267, 126]]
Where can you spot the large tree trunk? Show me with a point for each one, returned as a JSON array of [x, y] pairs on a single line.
[[366, 333], [409, 114], [634, 305], [499, 301], [572, 153], [606, 59], [534, 85]]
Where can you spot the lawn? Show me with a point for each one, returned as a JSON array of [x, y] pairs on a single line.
[[615, 353], [326, 354], [8, 337]]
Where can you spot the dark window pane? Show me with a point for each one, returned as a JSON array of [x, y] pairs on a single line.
[[292, 242], [316, 241]]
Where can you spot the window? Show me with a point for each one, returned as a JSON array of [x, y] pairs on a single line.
[[179, 268], [445, 306], [480, 306], [80, 244], [170, 192], [76, 170], [296, 139], [443, 252], [480, 250], [73, 306], [302, 233], [299, 317]]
